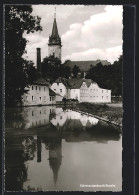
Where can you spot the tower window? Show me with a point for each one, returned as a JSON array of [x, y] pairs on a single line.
[[44, 88], [32, 87], [60, 90], [32, 98], [36, 87]]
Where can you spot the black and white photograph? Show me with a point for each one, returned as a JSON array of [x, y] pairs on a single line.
[[63, 97]]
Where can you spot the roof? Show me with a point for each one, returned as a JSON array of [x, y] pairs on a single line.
[[54, 39], [54, 30], [51, 92], [41, 81], [76, 83], [85, 65], [62, 80]]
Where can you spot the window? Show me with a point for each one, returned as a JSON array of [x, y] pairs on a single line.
[[32, 87], [39, 87], [102, 97], [57, 83], [40, 99], [60, 90], [44, 88], [32, 98], [94, 96], [60, 117], [54, 89], [40, 112], [32, 113], [50, 98], [102, 91], [36, 87]]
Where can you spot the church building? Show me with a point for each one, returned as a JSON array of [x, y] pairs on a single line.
[[54, 44]]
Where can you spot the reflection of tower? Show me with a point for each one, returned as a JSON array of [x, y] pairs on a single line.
[[55, 157], [38, 148]]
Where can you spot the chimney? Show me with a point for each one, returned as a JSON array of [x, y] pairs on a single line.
[[39, 60]]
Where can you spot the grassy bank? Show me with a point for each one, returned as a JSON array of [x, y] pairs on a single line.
[[109, 112]]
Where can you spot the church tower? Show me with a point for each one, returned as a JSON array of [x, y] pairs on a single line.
[[54, 44]]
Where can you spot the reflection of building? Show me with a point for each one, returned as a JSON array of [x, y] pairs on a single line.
[[55, 157], [72, 116], [27, 117]]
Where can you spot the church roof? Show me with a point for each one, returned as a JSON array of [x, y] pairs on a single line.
[[85, 65], [54, 39], [54, 30]]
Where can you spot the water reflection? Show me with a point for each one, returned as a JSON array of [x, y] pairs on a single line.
[[41, 141]]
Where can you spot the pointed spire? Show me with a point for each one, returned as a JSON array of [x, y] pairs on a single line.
[[55, 30], [54, 38], [55, 13]]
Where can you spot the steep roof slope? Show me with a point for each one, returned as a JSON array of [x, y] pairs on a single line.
[[85, 65]]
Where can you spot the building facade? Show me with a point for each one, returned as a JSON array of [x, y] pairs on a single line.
[[38, 94], [85, 90], [60, 86]]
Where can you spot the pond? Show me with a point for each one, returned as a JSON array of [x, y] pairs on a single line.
[[54, 149]]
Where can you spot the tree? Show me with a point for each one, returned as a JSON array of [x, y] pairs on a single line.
[[52, 68], [18, 20], [75, 71], [108, 76]]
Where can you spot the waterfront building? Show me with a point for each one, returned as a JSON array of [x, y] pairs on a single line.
[[86, 90], [60, 86], [38, 94]]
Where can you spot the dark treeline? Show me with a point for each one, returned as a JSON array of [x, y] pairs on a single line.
[[108, 76], [18, 19]]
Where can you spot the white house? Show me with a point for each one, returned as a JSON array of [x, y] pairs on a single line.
[[38, 94], [60, 86], [86, 90], [97, 94]]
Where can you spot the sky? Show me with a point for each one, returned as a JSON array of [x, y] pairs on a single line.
[[87, 32]]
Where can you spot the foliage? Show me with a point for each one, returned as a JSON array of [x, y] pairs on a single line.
[[52, 68], [75, 71], [18, 20], [108, 76]]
